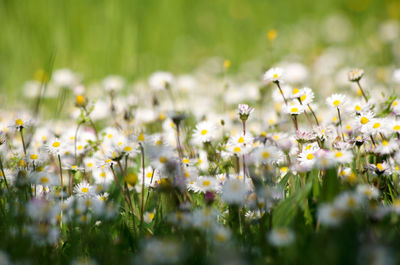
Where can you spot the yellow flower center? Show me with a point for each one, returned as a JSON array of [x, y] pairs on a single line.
[[336, 103], [379, 166], [338, 154], [295, 91], [127, 148], [303, 97], [396, 127], [236, 149], [376, 125], [34, 157], [364, 120], [310, 156], [141, 137], [163, 159], [294, 110], [44, 180], [85, 190], [204, 132], [385, 143], [149, 174], [206, 183], [80, 100], [19, 122], [56, 144], [185, 161], [265, 154], [151, 216], [241, 140], [275, 76], [357, 108], [103, 174]]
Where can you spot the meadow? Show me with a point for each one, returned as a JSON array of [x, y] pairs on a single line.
[[209, 132]]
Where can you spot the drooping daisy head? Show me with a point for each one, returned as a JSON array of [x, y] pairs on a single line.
[[355, 75]]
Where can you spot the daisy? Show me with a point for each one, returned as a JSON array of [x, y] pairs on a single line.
[[375, 126], [84, 189], [234, 192], [368, 191], [395, 126], [273, 75], [204, 184], [329, 215], [307, 96], [102, 175], [161, 80], [148, 217], [55, 147], [343, 156], [307, 158], [244, 111], [267, 154], [293, 108], [359, 107], [64, 78], [280, 237], [363, 119], [151, 177], [296, 93], [204, 132], [347, 201], [241, 139], [387, 147], [113, 83], [355, 75], [336, 100]]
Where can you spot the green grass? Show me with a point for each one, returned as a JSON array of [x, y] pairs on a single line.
[[134, 38]]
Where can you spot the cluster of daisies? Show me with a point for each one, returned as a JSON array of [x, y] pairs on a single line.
[[170, 152]]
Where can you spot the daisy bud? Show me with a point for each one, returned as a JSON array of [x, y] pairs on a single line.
[[80, 101], [355, 75], [209, 197], [244, 111]]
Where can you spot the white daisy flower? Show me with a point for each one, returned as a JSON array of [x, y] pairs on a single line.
[[151, 177], [336, 100], [368, 191], [307, 158], [234, 192], [307, 96], [343, 156], [204, 132], [329, 215], [55, 147], [294, 108], [280, 237], [348, 201], [273, 75], [203, 184], [161, 80], [387, 147], [113, 83], [84, 189], [355, 75]]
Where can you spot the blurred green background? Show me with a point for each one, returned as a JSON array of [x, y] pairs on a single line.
[[134, 38]]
